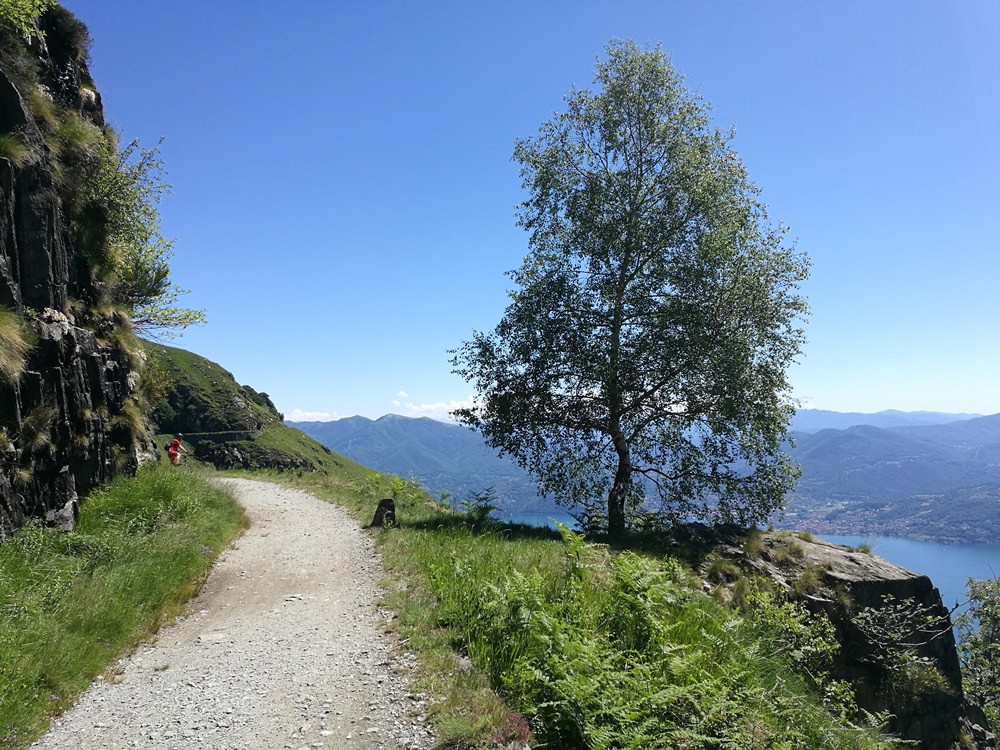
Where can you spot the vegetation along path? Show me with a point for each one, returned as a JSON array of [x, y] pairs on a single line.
[[282, 648]]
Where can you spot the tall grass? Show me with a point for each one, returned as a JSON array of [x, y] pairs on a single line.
[[71, 603], [13, 147], [16, 340]]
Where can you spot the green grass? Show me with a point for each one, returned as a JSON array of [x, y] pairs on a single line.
[[523, 635], [13, 147], [602, 650], [72, 603], [222, 403]]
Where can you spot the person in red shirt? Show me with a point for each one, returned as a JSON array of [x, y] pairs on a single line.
[[174, 449]]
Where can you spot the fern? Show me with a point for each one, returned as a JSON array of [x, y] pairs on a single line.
[[614, 652]]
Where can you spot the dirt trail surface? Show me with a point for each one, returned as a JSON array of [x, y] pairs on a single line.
[[283, 648]]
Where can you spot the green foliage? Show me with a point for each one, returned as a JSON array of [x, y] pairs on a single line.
[[809, 580], [125, 191], [645, 349], [13, 147], [110, 198], [16, 340], [614, 651], [74, 141], [722, 570], [480, 506], [72, 603], [898, 629], [808, 640], [109, 195], [36, 429], [979, 646], [21, 14]]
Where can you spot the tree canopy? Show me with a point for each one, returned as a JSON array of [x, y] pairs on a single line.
[[643, 356], [21, 14]]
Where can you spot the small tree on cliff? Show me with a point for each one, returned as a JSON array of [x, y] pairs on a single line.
[[643, 356], [21, 14], [979, 646], [128, 186]]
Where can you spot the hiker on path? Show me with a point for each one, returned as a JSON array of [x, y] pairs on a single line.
[[174, 449]]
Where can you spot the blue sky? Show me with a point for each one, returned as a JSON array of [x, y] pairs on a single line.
[[343, 190]]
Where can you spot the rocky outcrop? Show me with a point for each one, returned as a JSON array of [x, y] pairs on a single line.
[[64, 421], [248, 455], [897, 645]]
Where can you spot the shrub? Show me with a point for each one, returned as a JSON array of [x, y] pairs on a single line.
[[21, 14], [16, 340], [13, 148]]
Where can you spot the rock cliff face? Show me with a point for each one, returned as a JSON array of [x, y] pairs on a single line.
[[65, 421], [897, 646]]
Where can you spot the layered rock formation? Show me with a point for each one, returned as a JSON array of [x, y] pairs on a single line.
[[65, 422]]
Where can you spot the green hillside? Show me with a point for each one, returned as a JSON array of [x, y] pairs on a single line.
[[228, 425]]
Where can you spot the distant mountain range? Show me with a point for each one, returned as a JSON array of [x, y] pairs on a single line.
[[916, 474], [814, 420], [443, 457]]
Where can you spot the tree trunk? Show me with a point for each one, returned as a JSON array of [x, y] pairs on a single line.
[[616, 509], [623, 474], [619, 492]]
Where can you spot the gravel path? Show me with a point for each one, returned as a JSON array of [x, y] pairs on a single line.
[[283, 648]]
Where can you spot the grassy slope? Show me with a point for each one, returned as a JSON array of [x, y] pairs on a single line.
[[197, 395], [194, 395]]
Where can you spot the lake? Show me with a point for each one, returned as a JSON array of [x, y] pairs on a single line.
[[537, 518], [949, 566]]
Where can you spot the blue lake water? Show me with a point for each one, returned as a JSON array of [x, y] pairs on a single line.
[[538, 519], [949, 566]]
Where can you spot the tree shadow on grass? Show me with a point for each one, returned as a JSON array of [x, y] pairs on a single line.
[[477, 526], [689, 543]]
